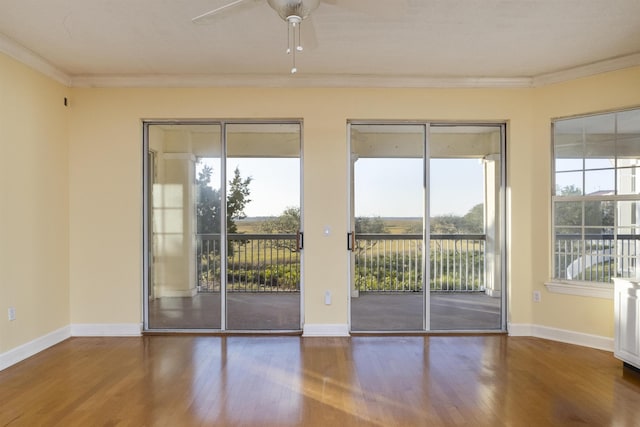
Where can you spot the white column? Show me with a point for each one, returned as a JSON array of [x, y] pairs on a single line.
[[492, 225], [174, 219], [355, 293]]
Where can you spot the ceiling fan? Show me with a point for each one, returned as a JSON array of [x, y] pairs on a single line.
[[291, 11]]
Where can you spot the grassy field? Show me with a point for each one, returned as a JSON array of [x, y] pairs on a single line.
[[403, 225], [250, 225], [392, 225]]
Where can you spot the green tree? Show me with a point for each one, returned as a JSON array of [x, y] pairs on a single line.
[[598, 214], [237, 199], [446, 224], [473, 221], [369, 225], [287, 223], [568, 213], [568, 190], [208, 202]]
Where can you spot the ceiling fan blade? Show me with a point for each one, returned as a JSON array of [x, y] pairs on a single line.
[[233, 5], [308, 34]]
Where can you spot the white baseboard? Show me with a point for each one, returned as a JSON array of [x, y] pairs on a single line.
[[35, 346], [572, 337], [325, 330], [520, 329], [106, 329], [562, 335]]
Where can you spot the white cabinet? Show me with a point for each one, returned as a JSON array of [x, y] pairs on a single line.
[[627, 321]]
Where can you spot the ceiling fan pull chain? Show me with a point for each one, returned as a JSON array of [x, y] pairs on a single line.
[[299, 44], [293, 39], [294, 69]]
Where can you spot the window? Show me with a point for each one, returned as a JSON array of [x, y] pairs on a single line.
[[596, 235]]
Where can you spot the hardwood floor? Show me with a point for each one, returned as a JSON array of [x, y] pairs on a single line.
[[292, 381]]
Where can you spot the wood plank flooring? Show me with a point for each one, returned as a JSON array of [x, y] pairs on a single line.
[[293, 381]]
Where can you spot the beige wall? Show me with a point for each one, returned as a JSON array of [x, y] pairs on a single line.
[[34, 214], [106, 202], [117, 113], [99, 281], [599, 93]]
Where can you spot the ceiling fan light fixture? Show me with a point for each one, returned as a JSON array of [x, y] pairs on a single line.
[[300, 8], [293, 12]]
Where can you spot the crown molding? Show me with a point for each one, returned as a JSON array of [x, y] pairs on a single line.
[[31, 59], [612, 64], [27, 57], [299, 80]]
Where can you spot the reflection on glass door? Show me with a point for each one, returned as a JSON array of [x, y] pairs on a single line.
[[386, 238], [263, 227], [223, 226], [183, 226], [459, 188], [465, 207]]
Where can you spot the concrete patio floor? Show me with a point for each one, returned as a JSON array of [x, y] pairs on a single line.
[[370, 312]]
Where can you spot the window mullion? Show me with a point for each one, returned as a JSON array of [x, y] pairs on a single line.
[[593, 143]]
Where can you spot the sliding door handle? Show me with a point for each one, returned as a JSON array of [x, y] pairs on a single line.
[[351, 241], [300, 240]]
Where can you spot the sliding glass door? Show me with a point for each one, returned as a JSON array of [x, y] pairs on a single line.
[[223, 234], [427, 203], [183, 226], [465, 227], [263, 227], [386, 237]]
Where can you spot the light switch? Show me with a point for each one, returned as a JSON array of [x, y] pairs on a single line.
[[327, 298]]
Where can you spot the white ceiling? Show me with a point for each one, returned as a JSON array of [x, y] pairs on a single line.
[[395, 42]]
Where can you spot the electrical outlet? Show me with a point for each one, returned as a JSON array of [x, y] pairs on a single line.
[[11, 313], [537, 297]]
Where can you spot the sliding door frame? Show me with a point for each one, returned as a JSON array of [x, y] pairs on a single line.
[[426, 246], [425, 215], [146, 211]]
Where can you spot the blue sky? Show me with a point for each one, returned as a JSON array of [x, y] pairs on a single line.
[[394, 187], [383, 187]]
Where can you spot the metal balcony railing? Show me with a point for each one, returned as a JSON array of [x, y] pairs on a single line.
[[596, 257], [383, 263], [458, 262], [255, 263], [393, 262]]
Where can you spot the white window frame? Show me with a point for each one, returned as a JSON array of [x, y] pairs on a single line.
[[585, 287]]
